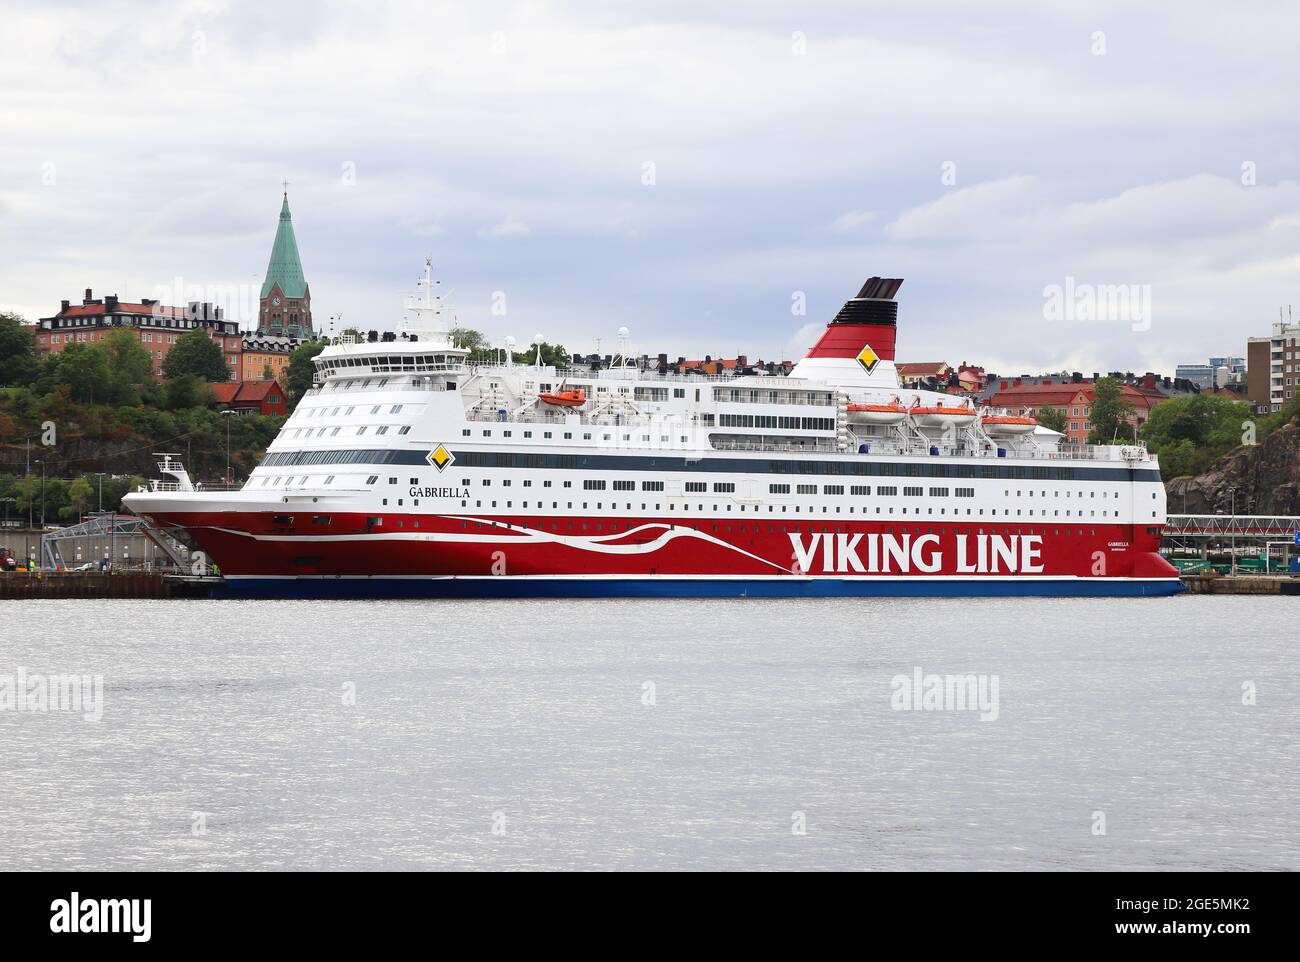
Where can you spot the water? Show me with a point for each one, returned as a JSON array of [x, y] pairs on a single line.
[[532, 714]]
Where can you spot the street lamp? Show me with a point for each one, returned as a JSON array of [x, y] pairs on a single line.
[[226, 414], [1233, 522], [42, 464]]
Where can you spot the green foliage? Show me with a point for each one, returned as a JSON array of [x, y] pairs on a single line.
[[130, 368], [302, 369], [197, 354], [1267, 425], [186, 391], [83, 368], [17, 350], [1050, 417], [80, 493], [552, 354], [1110, 412], [470, 339], [1191, 433]]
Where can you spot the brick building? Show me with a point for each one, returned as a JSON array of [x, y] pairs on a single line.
[[156, 325], [1074, 400], [285, 301], [1273, 368]]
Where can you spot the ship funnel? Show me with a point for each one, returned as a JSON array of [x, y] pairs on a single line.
[[869, 320]]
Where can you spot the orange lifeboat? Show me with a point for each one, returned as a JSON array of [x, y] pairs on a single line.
[[1006, 424], [876, 413], [940, 416], [565, 399]]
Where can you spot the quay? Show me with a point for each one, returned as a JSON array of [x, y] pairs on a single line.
[[102, 584], [1217, 584]]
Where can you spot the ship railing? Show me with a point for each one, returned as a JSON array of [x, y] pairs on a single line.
[[197, 486], [813, 444], [337, 385], [632, 373]]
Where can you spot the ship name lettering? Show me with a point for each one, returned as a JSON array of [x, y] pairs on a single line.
[[826, 553], [447, 492]]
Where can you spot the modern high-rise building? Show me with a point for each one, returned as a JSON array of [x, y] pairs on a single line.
[[1202, 375], [1273, 367], [285, 307]]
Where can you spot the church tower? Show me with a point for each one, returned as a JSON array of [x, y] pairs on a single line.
[[285, 307]]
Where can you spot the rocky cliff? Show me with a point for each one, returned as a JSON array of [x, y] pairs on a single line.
[[1265, 479]]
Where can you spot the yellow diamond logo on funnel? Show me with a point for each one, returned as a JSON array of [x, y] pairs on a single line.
[[440, 457], [868, 358]]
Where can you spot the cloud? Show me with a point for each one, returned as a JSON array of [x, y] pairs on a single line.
[[510, 227], [777, 169], [852, 221]]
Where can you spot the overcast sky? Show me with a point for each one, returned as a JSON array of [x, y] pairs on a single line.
[[685, 169]]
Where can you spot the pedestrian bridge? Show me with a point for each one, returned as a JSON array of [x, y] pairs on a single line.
[[1215, 527]]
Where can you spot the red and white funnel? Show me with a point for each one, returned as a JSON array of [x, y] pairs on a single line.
[[857, 347]]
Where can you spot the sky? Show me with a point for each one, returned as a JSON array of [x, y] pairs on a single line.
[[1093, 186]]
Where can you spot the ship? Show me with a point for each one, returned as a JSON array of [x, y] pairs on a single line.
[[411, 470]]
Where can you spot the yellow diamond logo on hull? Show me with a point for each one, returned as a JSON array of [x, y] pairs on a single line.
[[440, 457], [868, 358]]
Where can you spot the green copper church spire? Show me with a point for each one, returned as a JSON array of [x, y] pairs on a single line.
[[285, 267]]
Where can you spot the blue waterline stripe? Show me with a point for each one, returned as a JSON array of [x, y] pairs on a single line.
[[665, 587]]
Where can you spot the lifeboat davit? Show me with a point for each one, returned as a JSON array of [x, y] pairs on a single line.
[[565, 399], [940, 416], [877, 413], [996, 425]]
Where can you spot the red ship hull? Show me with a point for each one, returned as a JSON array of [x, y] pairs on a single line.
[[583, 556]]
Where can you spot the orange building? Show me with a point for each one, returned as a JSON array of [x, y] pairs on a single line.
[[266, 355]]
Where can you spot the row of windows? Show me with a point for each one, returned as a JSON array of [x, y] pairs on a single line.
[[773, 421], [764, 396], [505, 459], [878, 510], [326, 411], [729, 487]]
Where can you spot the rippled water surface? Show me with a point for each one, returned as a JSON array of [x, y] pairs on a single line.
[[654, 734]]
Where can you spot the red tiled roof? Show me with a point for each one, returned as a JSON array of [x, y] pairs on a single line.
[[225, 391], [256, 390], [242, 392], [95, 310], [1040, 394], [922, 368]]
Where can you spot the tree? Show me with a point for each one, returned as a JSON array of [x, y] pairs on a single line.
[[196, 353], [1202, 419], [1050, 417], [553, 355], [302, 369], [84, 369], [27, 496], [470, 339], [186, 391], [17, 351], [1110, 412], [1190, 433], [80, 493], [130, 368]]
